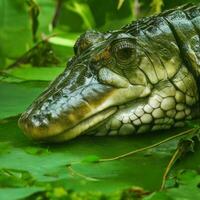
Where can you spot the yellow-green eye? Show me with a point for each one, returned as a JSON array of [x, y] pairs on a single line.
[[124, 51]]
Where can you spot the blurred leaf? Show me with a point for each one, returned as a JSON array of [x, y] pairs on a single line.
[[4, 147], [16, 97], [112, 176], [36, 73], [156, 6], [39, 55], [34, 150], [188, 188], [20, 176], [84, 11], [159, 196], [47, 9], [15, 35], [120, 3], [59, 192], [34, 13], [62, 41], [18, 193], [62, 45], [91, 159]]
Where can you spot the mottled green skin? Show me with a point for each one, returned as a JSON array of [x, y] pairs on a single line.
[[143, 77]]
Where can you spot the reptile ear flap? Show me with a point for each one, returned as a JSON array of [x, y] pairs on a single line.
[[86, 40]]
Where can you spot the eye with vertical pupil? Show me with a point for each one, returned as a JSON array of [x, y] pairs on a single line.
[[123, 51]]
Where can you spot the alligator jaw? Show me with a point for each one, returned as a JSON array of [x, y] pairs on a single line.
[[82, 127], [81, 116]]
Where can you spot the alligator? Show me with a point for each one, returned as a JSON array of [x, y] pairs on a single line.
[[141, 78]]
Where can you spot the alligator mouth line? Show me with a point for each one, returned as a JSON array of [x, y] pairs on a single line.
[[82, 126]]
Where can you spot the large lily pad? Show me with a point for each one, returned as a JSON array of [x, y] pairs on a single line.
[[16, 97], [66, 164], [71, 165], [73, 170], [35, 74]]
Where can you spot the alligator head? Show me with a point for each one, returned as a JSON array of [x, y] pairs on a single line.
[[118, 83], [102, 76]]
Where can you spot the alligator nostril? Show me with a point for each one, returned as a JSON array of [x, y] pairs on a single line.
[[34, 117], [34, 125], [56, 95]]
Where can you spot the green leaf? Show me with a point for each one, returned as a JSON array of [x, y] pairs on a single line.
[[156, 6], [120, 3], [91, 159], [34, 13], [34, 150], [47, 10], [48, 164], [4, 147], [158, 196], [36, 73], [84, 11], [188, 188], [16, 97], [18, 193], [62, 41], [15, 178], [112, 176], [15, 35]]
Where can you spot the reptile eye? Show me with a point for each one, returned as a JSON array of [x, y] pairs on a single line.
[[124, 51], [124, 54]]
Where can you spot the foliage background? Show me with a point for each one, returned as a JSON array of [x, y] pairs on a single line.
[[36, 39]]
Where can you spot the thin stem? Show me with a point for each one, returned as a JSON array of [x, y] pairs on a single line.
[[169, 166], [148, 147], [136, 8], [27, 54], [74, 172], [57, 13]]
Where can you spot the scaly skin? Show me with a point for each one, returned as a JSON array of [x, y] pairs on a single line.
[[141, 78]]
